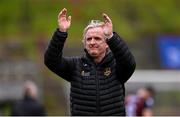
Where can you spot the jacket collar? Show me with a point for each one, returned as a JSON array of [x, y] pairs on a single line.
[[105, 61]]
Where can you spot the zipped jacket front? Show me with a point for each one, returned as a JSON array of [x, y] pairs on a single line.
[[96, 89]]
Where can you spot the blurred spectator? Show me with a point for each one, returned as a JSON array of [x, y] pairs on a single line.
[[141, 103], [29, 105]]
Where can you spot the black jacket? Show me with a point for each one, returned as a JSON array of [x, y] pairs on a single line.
[[95, 89]]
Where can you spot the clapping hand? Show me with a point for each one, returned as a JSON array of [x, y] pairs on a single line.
[[108, 26], [64, 22]]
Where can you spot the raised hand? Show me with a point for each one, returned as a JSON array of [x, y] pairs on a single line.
[[64, 22], [108, 26]]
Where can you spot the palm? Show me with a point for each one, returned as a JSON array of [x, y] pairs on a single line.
[[108, 27], [64, 22]]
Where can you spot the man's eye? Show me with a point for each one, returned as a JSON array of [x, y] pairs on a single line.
[[97, 38], [88, 39]]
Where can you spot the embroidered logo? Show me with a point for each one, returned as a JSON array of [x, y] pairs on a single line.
[[107, 71], [83, 73]]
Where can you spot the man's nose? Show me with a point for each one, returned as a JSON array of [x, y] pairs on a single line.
[[92, 41]]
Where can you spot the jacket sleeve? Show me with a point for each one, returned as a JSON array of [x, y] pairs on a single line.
[[53, 59], [125, 62]]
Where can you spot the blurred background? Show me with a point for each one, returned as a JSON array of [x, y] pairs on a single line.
[[151, 29]]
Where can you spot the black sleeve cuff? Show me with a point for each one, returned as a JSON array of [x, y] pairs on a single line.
[[60, 36], [114, 40]]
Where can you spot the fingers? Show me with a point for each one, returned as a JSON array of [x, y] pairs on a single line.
[[106, 18], [62, 13]]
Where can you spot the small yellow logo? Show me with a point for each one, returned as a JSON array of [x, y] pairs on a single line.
[[107, 71]]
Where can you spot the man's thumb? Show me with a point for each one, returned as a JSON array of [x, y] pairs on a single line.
[[69, 18]]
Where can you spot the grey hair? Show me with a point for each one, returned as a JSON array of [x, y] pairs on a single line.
[[92, 24]]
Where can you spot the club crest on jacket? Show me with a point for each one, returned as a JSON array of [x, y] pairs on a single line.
[[107, 71]]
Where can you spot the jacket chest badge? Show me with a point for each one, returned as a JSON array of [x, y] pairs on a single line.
[[83, 73], [107, 71]]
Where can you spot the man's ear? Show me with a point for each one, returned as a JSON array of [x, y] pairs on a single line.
[[107, 46]]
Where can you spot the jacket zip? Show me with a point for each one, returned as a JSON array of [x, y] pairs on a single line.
[[97, 92]]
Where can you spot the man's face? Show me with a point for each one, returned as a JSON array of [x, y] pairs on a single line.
[[95, 42]]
